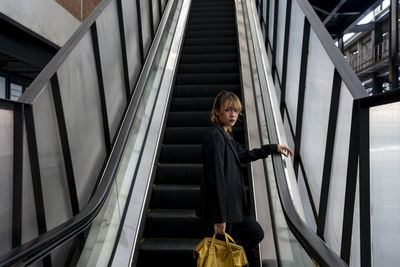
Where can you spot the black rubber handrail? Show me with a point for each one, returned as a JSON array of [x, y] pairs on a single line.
[[44, 244]]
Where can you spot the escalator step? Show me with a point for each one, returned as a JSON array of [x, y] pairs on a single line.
[[184, 135], [210, 41], [209, 58], [180, 154], [206, 9], [189, 119], [205, 21], [227, 14], [175, 196], [194, 135], [173, 223], [179, 173], [167, 252], [210, 90], [207, 78], [212, 27], [191, 103], [208, 68], [220, 49], [210, 34]]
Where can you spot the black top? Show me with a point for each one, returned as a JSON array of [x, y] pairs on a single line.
[[222, 191]]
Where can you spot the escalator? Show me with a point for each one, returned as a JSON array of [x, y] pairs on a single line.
[[208, 65], [143, 210]]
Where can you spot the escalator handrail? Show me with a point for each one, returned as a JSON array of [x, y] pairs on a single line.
[[308, 239], [45, 243]]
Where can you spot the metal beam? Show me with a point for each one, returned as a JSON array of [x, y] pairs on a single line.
[[334, 11]]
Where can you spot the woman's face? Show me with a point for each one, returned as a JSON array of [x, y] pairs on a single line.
[[227, 118]]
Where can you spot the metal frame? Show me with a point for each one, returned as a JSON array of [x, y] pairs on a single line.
[[62, 127], [123, 50], [285, 57], [300, 98], [330, 142], [17, 175], [106, 130]]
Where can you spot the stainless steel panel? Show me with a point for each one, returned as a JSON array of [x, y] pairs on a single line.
[[52, 169], [271, 21], [146, 28], [29, 226], [156, 14], [163, 4], [264, 10], [355, 239], [294, 60], [280, 36], [385, 184], [337, 187], [288, 132], [111, 65], [81, 102], [309, 215], [317, 101], [129, 10], [6, 174]]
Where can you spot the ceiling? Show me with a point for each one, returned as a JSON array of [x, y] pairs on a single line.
[[339, 15]]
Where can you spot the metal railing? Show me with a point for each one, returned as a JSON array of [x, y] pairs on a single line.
[[59, 139], [369, 57], [322, 104]]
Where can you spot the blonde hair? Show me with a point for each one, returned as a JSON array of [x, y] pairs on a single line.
[[222, 101]]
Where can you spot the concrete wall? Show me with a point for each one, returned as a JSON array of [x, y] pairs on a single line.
[[47, 18]]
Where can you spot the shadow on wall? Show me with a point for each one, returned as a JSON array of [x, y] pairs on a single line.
[[80, 9]]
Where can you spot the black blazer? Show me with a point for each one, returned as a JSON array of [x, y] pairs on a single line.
[[222, 191]]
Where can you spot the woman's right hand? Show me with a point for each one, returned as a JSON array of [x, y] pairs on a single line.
[[219, 228]]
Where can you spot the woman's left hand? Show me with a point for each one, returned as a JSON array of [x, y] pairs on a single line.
[[285, 150]]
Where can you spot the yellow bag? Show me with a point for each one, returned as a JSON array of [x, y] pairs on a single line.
[[212, 252]]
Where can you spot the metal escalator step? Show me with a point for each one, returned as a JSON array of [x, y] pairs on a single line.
[[192, 119], [205, 21], [191, 103], [204, 90], [208, 49], [194, 135], [210, 34], [208, 68], [212, 14], [172, 223], [210, 41], [167, 252], [179, 173], [180, 154], [209, 58], [207, 78], [175, 196]]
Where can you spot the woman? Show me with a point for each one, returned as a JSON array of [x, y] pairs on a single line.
[[223, 202]]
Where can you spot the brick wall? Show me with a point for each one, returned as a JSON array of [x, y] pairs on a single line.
[[80, 9]]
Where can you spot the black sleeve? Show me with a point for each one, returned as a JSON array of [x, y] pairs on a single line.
[[213, 160], [246, 155]]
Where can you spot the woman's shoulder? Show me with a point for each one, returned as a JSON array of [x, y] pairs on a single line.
[[214, 134]]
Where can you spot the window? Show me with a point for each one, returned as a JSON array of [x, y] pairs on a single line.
[[15, 91], [2, 87]]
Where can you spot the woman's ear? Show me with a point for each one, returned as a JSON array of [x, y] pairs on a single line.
[[216, 112]]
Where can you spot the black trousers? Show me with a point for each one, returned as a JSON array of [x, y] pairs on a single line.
[[247, 233]]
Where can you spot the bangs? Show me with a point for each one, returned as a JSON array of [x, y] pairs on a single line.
[[231, 102]]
